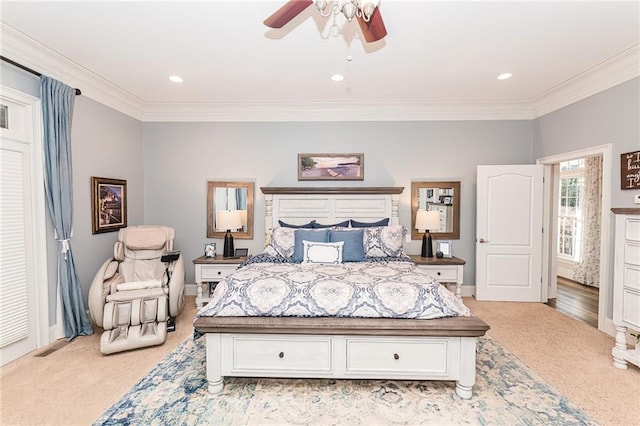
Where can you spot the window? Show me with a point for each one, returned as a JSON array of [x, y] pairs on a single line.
[[570, 215]]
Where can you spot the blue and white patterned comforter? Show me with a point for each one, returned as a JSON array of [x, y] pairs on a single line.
[[358, 289]]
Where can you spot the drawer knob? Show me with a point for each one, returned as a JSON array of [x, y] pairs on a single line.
[[219, 272], [281, 355], [396, 356], [439, 273]]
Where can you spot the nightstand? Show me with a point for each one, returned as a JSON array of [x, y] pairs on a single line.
[[444, 269], [209, 272]]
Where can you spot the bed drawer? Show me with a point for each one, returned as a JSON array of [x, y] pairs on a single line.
[[401, 356], [277, 354]]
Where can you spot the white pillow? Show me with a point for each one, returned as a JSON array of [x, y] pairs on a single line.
[[322, 252]]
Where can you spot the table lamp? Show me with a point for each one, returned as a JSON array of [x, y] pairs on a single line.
[[427, 219], [228, 220]]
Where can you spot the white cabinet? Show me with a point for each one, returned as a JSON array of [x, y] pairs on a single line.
[[626, 284], [444, 270], [209, 272]]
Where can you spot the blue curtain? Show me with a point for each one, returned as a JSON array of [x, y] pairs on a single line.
[[57, 109]]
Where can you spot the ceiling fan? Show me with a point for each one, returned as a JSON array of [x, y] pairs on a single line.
[[366, 13]]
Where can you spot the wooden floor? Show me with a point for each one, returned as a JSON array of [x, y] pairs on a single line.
[[577, 300]]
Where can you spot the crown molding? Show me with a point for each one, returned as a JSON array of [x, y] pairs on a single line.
[[616, 70], [26, 51], [29, 52], [335, 111]]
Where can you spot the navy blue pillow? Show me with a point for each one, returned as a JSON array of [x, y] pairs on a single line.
[[356, 224], [288, 225], [300, 235], [344, 224], [353, 249]]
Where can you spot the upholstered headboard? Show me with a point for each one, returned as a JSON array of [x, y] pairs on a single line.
[[330, 205]]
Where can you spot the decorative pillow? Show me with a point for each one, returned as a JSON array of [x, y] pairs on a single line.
[[288, 225], [314, 235], [280, 242], [339, 224], [353, 250], [356, 224], [315, 252], [384, 241]]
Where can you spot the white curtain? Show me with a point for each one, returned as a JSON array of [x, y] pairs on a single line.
[[588, 269]]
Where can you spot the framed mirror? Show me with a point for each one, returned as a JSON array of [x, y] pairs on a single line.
[[230, 199], [443, 197]]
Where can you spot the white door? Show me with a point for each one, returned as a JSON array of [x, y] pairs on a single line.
[[23, 317], [509, 233]]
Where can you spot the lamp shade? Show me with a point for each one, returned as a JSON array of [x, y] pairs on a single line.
[[427, 219], [229, 220]]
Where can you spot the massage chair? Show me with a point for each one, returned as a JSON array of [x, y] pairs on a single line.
[[136, 295]]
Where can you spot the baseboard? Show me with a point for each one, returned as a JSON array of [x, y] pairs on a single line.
[[467, 290], [190, 290], [609, 327]]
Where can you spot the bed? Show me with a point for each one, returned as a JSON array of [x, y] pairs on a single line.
[[381, 317]]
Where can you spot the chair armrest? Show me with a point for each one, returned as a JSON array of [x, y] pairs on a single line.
[[100, 288], [176, 288]]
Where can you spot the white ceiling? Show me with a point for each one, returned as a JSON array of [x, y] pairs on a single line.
[[439, 60]]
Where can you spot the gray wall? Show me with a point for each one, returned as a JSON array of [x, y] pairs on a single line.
[[167, 165], [612, 116], [179, 158], [104, 143]]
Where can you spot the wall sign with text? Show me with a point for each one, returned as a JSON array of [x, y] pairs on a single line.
[[630, 170]]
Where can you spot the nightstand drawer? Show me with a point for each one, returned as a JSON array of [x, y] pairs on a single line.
[[441, 273], [216, 272]]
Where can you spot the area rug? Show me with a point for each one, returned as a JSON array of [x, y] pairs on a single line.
[[506, 393]]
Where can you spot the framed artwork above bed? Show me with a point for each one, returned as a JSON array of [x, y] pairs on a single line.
[[331, 166]]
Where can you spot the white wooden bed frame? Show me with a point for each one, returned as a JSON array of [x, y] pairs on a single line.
[[341, 348]]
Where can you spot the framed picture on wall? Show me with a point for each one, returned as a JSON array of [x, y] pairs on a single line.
[[330, 166], [108, 204], [630, 170]]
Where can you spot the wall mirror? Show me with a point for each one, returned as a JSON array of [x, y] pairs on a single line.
[[233, 197], [443, 197]]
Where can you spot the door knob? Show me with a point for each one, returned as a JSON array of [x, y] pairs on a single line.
[[482, 241]]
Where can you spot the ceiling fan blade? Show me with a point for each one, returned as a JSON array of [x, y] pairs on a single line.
[[373, 30], [286, 13]]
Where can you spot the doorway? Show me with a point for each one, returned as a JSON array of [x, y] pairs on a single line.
[[551, 223], [24, 308]]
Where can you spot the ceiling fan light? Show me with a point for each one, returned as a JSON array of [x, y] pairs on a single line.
[[349, 9], [367, 9], [321, 4]]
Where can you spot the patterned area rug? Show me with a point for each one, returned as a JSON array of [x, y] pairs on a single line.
[[506, 393]]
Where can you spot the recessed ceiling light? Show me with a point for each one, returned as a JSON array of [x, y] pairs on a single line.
[[337, 77], [176, 79], [505, 76]]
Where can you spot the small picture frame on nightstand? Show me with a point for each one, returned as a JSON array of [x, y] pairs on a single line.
[[242, 252], [210, 250], [444, 247]]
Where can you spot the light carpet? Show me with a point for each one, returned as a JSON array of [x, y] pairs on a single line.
[[506, 393]]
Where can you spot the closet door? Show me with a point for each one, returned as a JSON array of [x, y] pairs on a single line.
[[22, 262]]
